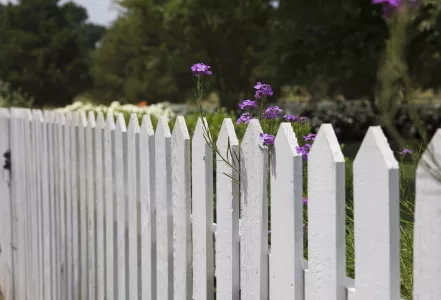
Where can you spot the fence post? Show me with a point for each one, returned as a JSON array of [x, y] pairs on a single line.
[[6, 263]]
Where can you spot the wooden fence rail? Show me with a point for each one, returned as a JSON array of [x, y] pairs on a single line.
[[94, 208]]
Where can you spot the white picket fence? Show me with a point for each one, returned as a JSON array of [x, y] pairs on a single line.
[[95, 210]]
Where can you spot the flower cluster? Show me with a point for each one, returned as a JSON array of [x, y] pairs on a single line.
[[200, 69], [304, 150]]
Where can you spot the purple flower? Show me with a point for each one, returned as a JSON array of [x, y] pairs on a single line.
[[244, 118], [262, 90], [305, 201], [310, 137], [303, 119], [272, 112], [390, 6], [267, 139], [200, 69], [304, 151], [290, 118], [248, 103], [405, 151]]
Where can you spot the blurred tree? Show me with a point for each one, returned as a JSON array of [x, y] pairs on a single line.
[[44, 49], [150, 50]]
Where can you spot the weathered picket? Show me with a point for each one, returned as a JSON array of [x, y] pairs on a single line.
[[94, 208]]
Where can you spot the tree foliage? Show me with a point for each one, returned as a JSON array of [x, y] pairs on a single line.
[[44, 49]]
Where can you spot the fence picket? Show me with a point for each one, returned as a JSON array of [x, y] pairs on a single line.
[[164, 221], [202, 204], [376, 217], [120, 205], [19, 204], [90, 205], [286, 218], [75, 202], [68, 204], [27, 186], [427, 231], [227, 213], [181, 199], [132, 218], [99, 209], [254, 202], [326, 218], [109, 203], [82, 164], [146, 188], [6, 263]]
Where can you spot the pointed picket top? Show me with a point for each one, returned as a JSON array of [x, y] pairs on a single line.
[[326, 138], [83, 119], [91, 122], [326, 206], [69, 117], [120, 123], [227, 134], [62, 118], [254, 226], [37, 115], [286, 217], [285, 139], [201, 130], [146, 125], [376, 142], [133, 123], [377, 219], [75, 118], [427, 231], [47, 116], [162, 128], [110, 121], [180, 129], [100, 122]]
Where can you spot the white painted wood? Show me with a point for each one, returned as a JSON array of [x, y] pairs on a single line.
[[146, 188], [90, 170], [227, 214], [377, 217], [75, 204], [120, 206], [286, 271], [164, 220], [202, 204], [6, 263], [68, 172], [38, 134], [82, 163], [45, 212], [181, 199], [427, 231], [33, 174], [49, 118], [132, 218], [62, 206], [27, 186], [109, 199], [19, 204], [326, 218], [99, 209], [254, 202]]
